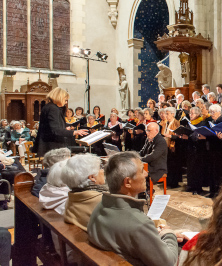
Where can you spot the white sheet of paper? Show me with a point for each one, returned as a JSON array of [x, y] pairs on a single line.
[[8, 153], [190, 234], [158, 206]]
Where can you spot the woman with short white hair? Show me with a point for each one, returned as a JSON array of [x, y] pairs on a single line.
[[54, 193], [212, 98], [83, 176], [215, 112], [199, 103], [20, 135]]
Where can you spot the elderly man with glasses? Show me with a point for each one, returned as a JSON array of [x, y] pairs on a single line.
[[119, 224]]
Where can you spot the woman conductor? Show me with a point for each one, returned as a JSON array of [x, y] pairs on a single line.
[[52, 128]]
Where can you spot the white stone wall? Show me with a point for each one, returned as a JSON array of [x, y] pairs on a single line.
[[91, 28]]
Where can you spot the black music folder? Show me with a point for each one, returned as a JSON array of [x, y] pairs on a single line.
[[181, 130]]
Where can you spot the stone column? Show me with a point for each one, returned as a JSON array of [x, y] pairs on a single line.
[[135, 46]]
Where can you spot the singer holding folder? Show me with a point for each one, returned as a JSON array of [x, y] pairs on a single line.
[[52, 132]]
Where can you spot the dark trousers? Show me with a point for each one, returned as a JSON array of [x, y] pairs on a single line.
[[5, 247]]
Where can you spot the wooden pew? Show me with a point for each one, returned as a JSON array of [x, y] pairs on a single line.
[[31, 220]]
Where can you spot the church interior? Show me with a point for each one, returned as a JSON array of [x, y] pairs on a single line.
[[130, 71]]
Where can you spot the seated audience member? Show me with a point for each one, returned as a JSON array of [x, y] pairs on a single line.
[[96, 112], [148, 113], [34, 132], [179, 99], [174, 164], [115, 138], [138, 134], [154, 152], [54, 194], [5, 247], [9, 169], [23, 122], [195, 96], [119, 224], [219, 93], [5, 134], [152, 104], [205, 112], [70, 119], [205, 90], [19, 135], [211, 97], [83, 176], [199, 103], [79, 113], [50, 158], [161, 99], [205, 248]]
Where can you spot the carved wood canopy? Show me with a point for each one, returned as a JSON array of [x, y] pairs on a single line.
[[183, 43], [39, 87]]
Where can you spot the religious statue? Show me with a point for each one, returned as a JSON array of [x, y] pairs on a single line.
[[185, 67], [164, 77], [124, 93]]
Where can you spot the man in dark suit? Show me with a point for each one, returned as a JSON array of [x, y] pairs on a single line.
[[154, 152], [205, 90]]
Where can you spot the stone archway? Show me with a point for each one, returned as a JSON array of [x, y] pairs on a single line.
[[135, 6], [136, 43]]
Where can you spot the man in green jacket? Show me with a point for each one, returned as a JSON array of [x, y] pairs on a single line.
[[119, 224]]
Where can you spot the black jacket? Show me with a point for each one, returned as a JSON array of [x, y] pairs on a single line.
[[155, 154], [52, 131]]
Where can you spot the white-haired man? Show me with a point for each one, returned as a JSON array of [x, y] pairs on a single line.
[[119, 224], [154, 152]]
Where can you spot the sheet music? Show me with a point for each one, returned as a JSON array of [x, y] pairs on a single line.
[[8, 153], [94, 137], [190, 234], [158, 206], [211, 124]]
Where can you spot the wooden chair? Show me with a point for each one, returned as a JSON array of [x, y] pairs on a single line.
[[32, 159], [162, 179]]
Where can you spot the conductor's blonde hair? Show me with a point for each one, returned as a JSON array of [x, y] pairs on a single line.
[[57, 95]]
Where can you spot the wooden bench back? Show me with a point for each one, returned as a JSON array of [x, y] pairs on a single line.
[[69, 234]]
